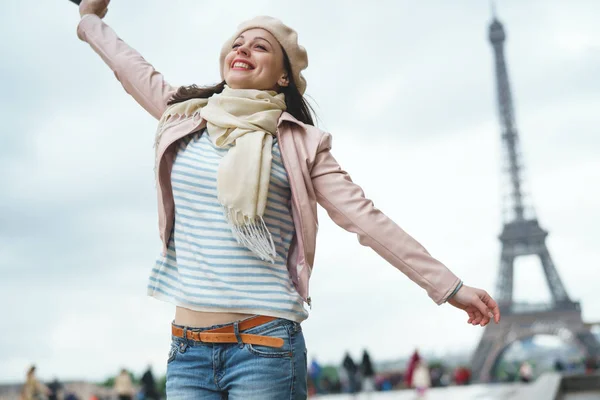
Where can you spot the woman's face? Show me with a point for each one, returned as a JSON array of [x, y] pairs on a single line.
[[255, 61]]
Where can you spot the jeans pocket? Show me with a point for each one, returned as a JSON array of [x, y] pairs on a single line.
[[176, 348], [172, 353], [278, 331]]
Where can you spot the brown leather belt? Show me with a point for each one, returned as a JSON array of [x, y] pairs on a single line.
[[226, 334]]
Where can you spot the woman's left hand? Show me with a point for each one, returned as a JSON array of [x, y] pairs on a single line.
[[478, 304]]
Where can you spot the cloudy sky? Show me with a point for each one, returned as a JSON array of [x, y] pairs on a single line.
[[406, 89]]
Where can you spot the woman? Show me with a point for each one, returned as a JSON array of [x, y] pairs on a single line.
[[33, 389], [410, 368], [123, 386], [240, 169], [421, 380]]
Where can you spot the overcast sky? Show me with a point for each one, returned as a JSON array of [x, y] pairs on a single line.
[[406, 89]]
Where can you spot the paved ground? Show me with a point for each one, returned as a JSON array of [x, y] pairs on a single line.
[[583, 396], [473, 392]]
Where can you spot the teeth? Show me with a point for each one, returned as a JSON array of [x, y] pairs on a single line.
[[239, 64]]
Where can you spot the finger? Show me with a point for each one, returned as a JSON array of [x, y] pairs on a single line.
[[479, 319], [480, 305], [496, 314], [493, 306], [471, 316], [485, 320], [473, 313]]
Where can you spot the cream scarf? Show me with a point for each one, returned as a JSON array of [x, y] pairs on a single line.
[[246, 120]]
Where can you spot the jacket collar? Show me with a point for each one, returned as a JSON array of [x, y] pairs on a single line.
[[286, 116]]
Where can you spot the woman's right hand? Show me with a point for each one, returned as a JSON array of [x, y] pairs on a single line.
[[479, 305], [98, 7]]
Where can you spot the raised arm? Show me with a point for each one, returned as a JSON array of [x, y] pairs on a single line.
[[138, 77]]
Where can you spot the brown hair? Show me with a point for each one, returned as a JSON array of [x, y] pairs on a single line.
[[296, 103]]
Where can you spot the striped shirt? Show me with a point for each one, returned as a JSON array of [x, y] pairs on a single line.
[[205, 268]]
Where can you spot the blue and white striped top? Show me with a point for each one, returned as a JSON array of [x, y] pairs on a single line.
[[205, 268]]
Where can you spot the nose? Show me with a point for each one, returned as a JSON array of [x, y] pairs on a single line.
[[243, 50]]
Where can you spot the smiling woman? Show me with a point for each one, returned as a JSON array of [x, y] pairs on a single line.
[[240, 169], [255, 61]]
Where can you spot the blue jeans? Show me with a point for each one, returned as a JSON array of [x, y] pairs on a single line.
[[215, 371]]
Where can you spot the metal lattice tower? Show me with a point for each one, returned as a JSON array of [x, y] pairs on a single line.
[[521, 236]]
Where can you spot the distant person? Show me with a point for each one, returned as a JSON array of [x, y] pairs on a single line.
[[33, 389], [559, 366], [386, 385], [410, 368], [591, 365], [314, 373], [123, 386], [352, 373], [240, 168], [437, 372], [421, 379], [55, 388], [525, 372], [149, 385], [368, 373], [462, 376]]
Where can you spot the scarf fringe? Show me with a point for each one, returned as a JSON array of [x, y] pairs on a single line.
[[169, 120], [253, 234]]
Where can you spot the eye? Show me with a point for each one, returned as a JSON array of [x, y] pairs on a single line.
[[260, 46], [235, 45]]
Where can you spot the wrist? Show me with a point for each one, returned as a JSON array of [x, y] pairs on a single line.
[[456, 289]]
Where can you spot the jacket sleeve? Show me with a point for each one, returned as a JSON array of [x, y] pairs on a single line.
[[139, 78], [347, 206]]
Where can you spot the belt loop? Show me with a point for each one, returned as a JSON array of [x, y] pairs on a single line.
[[185, 337], [236, 330]]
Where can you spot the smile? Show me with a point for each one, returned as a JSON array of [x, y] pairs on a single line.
[[241, 65]]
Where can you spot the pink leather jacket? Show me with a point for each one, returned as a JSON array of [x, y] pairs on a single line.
[[314, 175]]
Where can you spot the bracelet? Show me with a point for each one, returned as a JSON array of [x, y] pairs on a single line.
[[455, 290]]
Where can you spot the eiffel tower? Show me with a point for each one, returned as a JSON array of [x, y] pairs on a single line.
[[523, 236]]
